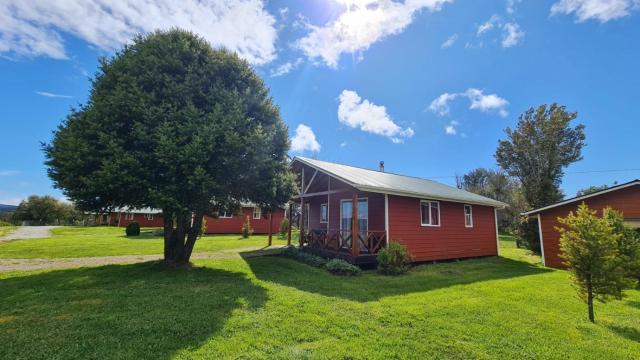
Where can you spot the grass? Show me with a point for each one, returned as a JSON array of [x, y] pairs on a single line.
[[68, 242], [5, 230], [273, 307]]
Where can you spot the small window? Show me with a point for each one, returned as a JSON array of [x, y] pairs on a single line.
[[148, 216], [257, 213], [468, 216], [225, 215], [324, 213], [128, 216], [430, 213]]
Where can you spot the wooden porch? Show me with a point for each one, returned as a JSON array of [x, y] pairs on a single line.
[[339, 244]]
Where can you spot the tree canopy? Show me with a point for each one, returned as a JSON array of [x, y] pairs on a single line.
[[172, 123], [45, 210], [539, 149]]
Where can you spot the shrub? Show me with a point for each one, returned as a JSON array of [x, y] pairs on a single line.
[[4, 223], [284, 227], [290, 251], [246, 228], [311, 259], [341, 267], [133, 229], [394, 260]]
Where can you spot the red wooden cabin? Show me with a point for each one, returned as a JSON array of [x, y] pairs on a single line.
[[226, 223], [434, 221], [624, 198]]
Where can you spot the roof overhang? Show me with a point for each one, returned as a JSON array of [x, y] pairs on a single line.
[[383, 190], [581, 198]]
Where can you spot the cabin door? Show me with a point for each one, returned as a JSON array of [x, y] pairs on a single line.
[[346, 212]]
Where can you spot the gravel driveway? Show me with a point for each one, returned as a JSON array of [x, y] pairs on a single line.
[[29, 232]]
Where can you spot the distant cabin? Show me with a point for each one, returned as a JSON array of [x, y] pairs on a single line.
[[352, 213], [624, 198]]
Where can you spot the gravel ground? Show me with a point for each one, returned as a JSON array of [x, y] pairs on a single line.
[[66, 263], [29, 232]]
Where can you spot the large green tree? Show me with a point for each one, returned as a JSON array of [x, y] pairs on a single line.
[[497, 185], [538, 150], [173, 124], [45, 210]]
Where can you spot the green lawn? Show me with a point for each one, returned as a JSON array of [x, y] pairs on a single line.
[[105, 241], [4, 230], [273, 307]]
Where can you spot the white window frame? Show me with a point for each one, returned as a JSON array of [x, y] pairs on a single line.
[[129, 216], [148, 216], [225, 215], [428, 203], [470, 224], [257, 210], [326, 206]]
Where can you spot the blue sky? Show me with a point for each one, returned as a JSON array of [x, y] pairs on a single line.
[[428, 86]]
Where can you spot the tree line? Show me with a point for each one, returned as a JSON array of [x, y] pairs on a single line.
[[43, 210]]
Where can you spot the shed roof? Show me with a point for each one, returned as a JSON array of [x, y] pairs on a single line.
[[583, 197], [389, 183]]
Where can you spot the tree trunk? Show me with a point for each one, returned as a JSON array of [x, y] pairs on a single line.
[[590, 301], [180, 239]]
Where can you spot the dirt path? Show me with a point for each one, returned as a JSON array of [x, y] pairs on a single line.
[[66, 263], [29, 232]]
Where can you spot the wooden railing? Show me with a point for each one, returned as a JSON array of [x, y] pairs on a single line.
[[369, 242]]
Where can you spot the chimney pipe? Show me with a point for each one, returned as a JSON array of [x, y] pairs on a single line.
[[381, 166]]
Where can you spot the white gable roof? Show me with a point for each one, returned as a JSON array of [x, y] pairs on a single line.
[[388, 183]]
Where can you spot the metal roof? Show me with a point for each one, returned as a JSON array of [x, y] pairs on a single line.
[[389, 183], [580, 198]]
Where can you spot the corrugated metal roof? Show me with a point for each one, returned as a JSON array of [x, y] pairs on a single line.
[[389, 183]]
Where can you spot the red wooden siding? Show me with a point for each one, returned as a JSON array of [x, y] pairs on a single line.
[[626, 200], [450, 240], [233, 225], [139, 218]]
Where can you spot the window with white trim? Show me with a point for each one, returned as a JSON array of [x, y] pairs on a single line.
[[148, 216], [429, 213], [324, 213], [225, 214], [257, 213], [128, 216], [468, 216]]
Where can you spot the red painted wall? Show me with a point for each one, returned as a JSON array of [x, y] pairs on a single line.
[[214, 226], [451, 240], [233, 225], [626, 200]]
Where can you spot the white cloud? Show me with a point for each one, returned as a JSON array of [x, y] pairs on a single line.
[[286, 67], [52, 95], [511, 6], [9, 172], [304, 139], [362, 114], [488, 25], [362, 24], [11, 201], [451, 128], [343, 144], [35, 28], [477, 99], [512, 35], [449, 42], [601, 10]]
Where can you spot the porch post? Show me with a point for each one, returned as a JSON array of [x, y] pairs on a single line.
[[270, 228], [290, 219], [386, 219], [354, 226], [302, 208]]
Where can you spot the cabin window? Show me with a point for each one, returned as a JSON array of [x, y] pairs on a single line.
[[257, 213], [128, 216], [225, 214], [430, 213], [468, 216], [346, 216], [148, 216], [324, 213]]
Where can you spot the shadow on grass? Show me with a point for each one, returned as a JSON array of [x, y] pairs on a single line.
[[628, 332], [372, 286], [121, 311]]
